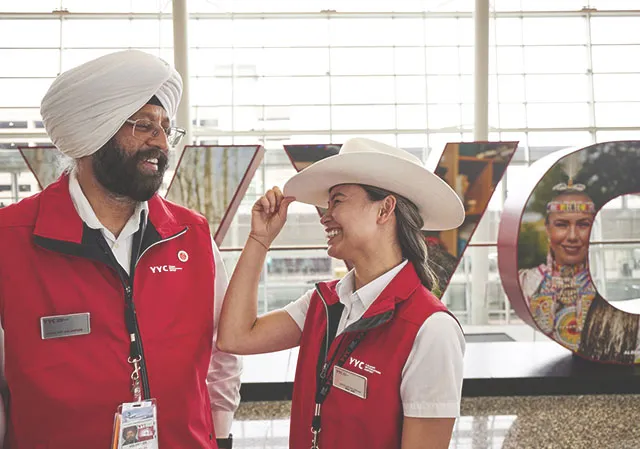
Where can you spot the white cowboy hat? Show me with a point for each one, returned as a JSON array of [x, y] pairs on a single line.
[[367, 162]]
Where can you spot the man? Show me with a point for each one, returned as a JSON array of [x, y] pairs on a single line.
[[130, 435], [108, 293]]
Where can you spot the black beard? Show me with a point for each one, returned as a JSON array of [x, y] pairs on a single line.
[[118, 172]]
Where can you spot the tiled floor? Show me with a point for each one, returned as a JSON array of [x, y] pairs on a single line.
[[545, 422]]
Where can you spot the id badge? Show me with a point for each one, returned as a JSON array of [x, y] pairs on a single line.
[[350, 382], [136, 426]]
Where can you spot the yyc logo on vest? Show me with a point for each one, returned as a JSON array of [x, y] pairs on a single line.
[[363, 366], [164, 269]]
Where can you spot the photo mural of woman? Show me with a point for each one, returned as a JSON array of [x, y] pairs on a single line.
[[553, 256], [560, 290]]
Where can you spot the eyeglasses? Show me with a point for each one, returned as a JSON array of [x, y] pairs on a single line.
[[144, 129]]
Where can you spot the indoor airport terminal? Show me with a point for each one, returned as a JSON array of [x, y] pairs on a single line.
[[325, 224]]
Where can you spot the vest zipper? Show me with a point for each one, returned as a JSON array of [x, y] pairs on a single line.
[[326, 311], [131, 320], [175, 236]]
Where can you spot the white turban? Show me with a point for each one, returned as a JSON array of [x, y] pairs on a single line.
[[87, 105]]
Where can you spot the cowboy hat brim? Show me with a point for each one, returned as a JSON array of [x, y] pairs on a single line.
[[439, 206]]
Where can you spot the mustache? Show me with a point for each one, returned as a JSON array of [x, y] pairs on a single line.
[[163, 159]]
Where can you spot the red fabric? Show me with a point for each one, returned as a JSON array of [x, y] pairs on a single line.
[[69, 388], [347, 420]]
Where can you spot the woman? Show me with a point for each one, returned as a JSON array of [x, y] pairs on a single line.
[[389, 375], [560, 292]]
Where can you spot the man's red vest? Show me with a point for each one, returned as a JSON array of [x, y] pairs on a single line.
[[391, 324], [63, 392]]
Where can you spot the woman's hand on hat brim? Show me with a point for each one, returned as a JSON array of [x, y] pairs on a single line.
[[269, 215]]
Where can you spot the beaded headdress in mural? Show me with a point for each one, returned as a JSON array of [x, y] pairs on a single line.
[[571, 167]]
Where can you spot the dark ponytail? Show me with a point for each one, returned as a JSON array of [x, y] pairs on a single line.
[[409, 232]]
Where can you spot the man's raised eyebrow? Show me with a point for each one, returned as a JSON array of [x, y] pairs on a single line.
[[151, 116], [333, 197]]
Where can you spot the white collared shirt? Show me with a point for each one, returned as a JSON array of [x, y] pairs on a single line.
[[223, 377], [357, 302], [432, 376], [121, 246]]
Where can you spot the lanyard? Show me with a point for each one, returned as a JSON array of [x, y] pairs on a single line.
[[139, 377], [324, 380], [136, 355]]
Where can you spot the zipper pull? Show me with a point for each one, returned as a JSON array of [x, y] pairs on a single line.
[[323, 372], [135, 379], [315, 427]]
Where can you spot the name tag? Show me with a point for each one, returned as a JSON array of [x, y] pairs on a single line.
[[59, 326], [350, 382]]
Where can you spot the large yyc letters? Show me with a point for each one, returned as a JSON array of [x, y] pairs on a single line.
[[547, 265]]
